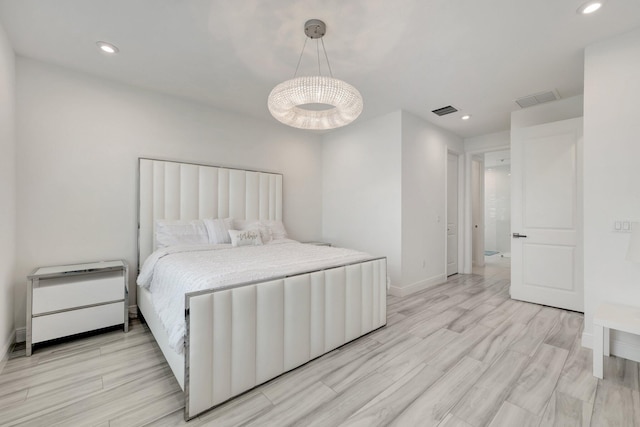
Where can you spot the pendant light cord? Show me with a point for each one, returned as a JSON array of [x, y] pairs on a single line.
[[326, 57], [300, 58], [318, 54]]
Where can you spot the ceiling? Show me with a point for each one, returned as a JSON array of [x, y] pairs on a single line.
[[415, 55]]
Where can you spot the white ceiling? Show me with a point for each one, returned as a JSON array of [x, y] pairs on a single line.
[[416, 55]]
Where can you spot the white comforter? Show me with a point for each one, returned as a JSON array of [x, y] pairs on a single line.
[[171, 272]]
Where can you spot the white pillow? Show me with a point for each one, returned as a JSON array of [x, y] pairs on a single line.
[[180, 232], [218, 230], [245, 237], [253, 224], [276, 229]]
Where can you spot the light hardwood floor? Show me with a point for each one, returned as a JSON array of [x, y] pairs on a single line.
[[458, 354]]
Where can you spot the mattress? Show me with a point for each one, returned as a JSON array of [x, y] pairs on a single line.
[[169, 273]]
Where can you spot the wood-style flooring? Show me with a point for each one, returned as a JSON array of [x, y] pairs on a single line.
[[458, 354]]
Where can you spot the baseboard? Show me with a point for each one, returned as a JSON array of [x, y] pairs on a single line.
[[403, 291], [618, 348], [21, 334], [133, 312], [6, 349]]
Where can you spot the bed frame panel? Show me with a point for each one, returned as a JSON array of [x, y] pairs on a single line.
[[241, 336]]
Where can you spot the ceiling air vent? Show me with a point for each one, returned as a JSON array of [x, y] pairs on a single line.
[[538, 98], [445, 110]]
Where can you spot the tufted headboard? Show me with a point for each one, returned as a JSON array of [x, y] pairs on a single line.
[[175, 190]]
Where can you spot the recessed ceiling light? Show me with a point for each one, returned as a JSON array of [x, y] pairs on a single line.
[[466, 117], [590, 7], [107, 47]]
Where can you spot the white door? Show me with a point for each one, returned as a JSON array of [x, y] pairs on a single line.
[[546, 247], [452, 214]]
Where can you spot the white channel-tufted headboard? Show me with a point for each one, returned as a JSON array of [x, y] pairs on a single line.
[[174, 190]]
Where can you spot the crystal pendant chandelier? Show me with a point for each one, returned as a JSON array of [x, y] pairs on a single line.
[[315, 102]]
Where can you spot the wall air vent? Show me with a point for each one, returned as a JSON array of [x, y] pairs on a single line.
[[445, 110], [538, 98]]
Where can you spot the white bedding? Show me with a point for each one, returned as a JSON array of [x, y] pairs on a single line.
[[171, 272]]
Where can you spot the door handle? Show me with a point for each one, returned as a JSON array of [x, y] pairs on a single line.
[[518, 235]]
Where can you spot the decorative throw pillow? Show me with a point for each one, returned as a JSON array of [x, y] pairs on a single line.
[[245, 237], [253, 224], [180, 232], [218, 230]]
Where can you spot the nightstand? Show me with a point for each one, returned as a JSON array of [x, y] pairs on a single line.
[[71, 299], [317, 243]]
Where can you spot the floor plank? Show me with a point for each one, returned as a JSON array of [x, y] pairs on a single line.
[[385, 407], [481, 403], [566, 411], [512, 415], [616, 405], [236, 412], [433, 404], [295, 407], [539, 379], [576, 378], [346, 403]]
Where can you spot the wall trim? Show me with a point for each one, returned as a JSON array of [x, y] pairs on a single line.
[[618, 348], [21, 334], [6, 349], [403, 291]]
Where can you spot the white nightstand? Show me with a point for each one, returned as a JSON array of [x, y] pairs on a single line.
[[611, 316], [70, 299]]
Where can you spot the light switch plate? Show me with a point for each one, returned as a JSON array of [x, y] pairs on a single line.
[[622, 226]]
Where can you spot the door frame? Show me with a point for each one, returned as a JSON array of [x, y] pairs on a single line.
[[477, 211], [466, 266], [461, 209]]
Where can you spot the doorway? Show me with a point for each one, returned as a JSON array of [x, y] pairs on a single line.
[[497, 205], [473, 228]]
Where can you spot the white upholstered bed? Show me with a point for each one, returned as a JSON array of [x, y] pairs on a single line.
[[243, 333]]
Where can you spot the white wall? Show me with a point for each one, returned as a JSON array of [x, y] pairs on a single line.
[[361, 189], [79, 138], [7, 192], [384, 192], [611, 177], [424, 202]]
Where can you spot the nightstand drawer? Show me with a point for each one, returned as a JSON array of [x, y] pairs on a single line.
[[63, 293], [73, 322]]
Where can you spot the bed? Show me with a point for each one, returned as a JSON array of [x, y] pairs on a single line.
[[238, 330]]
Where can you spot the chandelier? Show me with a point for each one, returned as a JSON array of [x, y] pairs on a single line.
[[315, 102]]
